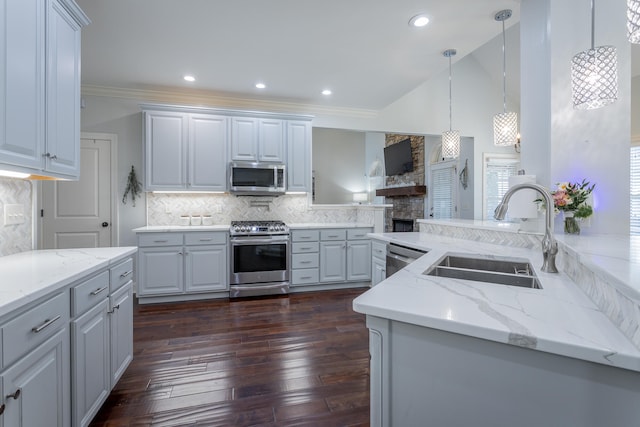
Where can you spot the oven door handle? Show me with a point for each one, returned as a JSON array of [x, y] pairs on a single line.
[[254, 241]]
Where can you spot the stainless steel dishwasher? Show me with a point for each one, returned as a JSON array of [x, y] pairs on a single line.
[[398, 257]]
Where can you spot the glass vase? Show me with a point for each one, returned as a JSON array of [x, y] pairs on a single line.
[[571, 224]]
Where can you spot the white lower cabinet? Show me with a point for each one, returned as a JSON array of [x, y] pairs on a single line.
[[121, 331], [90, 371], [378, 262], [330, 256], [171, 264], [36, 389]]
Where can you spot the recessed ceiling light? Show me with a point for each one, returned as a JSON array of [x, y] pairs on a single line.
[[189, 78], [326, 92], [261, 85], [419, 20]]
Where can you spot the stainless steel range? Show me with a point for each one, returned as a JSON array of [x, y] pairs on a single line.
[[260, 258]]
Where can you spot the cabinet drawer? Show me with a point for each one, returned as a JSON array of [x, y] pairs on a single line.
[[205, 238], [304, 261], [304, 235], [333, 234], [358, 233], [121, 274], [379, 250], [33, 327], [304, 276], [303, 247], [160, 239], [89, 293]]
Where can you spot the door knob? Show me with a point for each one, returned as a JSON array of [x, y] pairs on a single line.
[[105, 224]]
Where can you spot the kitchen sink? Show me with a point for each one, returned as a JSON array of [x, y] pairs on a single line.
[[500, 271]]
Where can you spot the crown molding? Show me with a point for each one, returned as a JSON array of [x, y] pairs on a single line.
[[221, 101]]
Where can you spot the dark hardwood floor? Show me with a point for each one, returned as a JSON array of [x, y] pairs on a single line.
[[297, 360]]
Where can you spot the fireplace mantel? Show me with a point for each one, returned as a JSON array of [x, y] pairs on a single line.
[[409, 190]]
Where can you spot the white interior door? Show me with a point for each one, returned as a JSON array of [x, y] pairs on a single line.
[[78, 214]]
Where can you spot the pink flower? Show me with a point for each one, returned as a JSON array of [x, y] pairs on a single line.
[[561, 198]]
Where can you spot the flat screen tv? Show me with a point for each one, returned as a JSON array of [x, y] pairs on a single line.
[[397, 158]]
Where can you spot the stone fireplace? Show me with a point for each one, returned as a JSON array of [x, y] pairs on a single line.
[[406, 192]]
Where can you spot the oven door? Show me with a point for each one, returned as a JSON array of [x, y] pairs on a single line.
[[262, 259]]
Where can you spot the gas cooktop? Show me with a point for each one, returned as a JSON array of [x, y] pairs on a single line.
[[258, 228]]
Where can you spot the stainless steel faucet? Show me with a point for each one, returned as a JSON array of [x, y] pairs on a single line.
[[549, 244]]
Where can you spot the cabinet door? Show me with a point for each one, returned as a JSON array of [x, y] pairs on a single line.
[[244, 139], [91, 379], [63, 93], [22, 66], [42, 377], [165, 150], [161, 271], [378, 271], [298, 156], [333, 261], [121, 330], [208, 152], [206, 268], [359, 260], [271, 141]]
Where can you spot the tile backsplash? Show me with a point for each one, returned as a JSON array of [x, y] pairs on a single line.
[[17, 237], [166, 209]]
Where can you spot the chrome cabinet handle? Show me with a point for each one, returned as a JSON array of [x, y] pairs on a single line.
[[46, 323], [160, 241], [97, 291], [123, 275], [206, 240], [15, 395], [305, 262], [305, 277], [113, 310]]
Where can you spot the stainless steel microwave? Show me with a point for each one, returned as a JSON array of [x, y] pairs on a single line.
[[259, 179]]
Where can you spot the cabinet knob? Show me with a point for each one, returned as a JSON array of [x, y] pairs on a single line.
[[105, 224], [15, 395], [2, 408]]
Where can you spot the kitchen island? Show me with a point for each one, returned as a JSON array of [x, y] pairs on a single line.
[[456, 352]]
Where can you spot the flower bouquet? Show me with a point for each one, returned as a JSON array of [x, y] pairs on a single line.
[[571, 199]]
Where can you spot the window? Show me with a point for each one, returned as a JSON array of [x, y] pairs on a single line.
[[496, 172], [634, 215]]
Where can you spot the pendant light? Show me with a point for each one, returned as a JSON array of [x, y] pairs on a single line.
[[633, 21], [450, 138], [594, 74], [505, 124]]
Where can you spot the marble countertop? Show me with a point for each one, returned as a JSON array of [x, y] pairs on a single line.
[[27, 276], [179, 228], [559, 318], [293, 226]]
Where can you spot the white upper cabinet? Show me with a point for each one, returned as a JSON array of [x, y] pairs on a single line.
[[190, 148], [165, 150], [271, 141], [244, 139], [40, 87], [298, 155], [257, 140], [185, 151], [207, 166]]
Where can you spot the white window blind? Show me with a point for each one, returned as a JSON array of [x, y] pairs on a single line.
[[635, 190], [497, 172], [442, 192]]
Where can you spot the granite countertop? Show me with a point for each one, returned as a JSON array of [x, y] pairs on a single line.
[[559, 318], [27, 276]]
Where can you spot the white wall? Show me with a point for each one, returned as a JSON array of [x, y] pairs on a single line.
[[123, 118], [339, 165]]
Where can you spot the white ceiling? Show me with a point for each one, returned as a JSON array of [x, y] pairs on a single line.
[[363, 50]]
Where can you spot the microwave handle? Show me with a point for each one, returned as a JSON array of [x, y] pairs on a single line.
[[275, 177]]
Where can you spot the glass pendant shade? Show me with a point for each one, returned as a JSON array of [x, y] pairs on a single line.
[[505, 129], [594, 77], [633, 21], [450, 144]]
